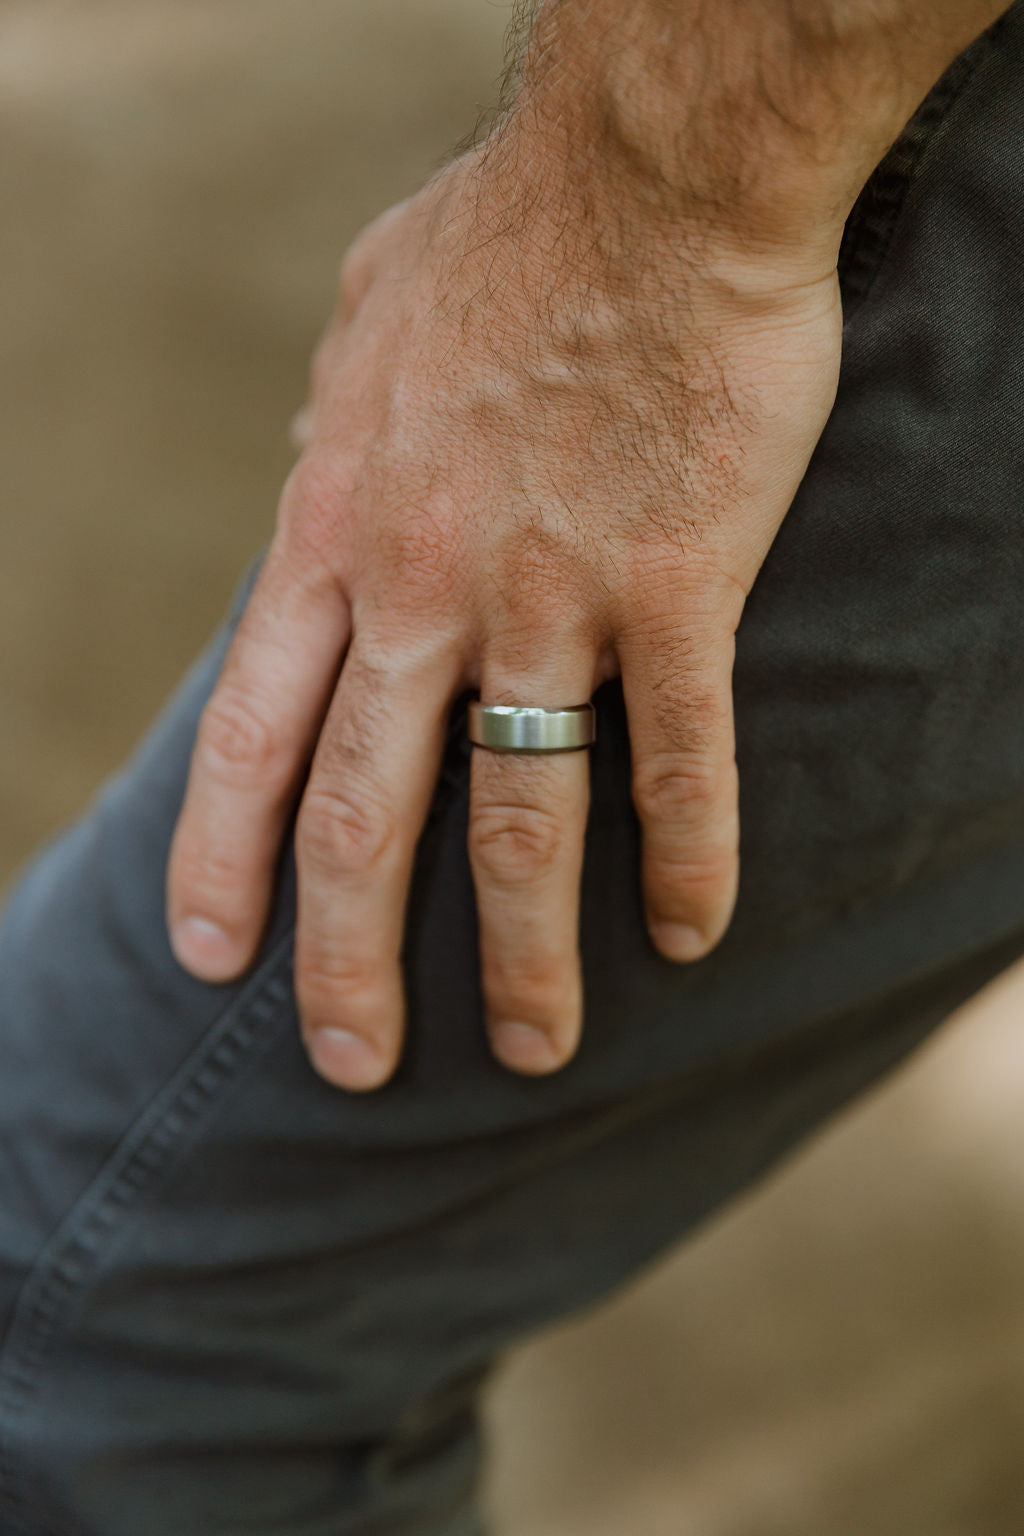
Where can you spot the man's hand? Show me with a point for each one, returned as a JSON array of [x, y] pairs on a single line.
[[530, 465], [569, 393]]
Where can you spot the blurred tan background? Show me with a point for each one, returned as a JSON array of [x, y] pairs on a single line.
[[842, 1353]]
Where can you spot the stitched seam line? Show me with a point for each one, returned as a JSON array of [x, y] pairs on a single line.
[[871, 228], [71, 1256]]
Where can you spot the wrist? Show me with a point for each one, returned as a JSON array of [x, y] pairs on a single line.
[[583, 211], [746, 129]]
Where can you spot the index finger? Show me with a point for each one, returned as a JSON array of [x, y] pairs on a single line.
[[255, 738]]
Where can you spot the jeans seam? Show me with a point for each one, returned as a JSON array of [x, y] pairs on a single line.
[[874, 219], [71, 1256]]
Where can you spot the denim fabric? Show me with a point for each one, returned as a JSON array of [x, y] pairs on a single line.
[[234, 1300]]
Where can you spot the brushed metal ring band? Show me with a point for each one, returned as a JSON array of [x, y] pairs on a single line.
[[521, 728]]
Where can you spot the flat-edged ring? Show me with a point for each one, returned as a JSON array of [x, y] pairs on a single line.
[[523, 728]]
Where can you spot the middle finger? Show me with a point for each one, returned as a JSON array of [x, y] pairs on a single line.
[[368, 795]]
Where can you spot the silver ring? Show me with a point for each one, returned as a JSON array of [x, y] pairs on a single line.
[[521, 728]]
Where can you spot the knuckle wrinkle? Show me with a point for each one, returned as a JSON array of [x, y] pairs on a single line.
[[674, 788], [237, 742], [342, 835], [513, 844], [206, 870]]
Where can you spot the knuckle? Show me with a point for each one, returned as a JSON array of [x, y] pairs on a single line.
[[422, 556], [322, 981], [360, 262], [675, 787], [687, 884], [342, 834], [537, 990], [205, 870], [355, 274], [348, 988], [695, 881], [312, 506], [237, 744], [217, 886], [544, 569], [514, 844]]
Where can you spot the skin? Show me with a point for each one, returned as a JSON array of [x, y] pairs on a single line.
[[566, 399]]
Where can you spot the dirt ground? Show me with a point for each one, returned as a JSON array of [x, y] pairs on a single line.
[[844, 1351]]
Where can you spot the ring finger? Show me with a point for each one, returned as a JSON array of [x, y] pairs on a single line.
[[528, 815]]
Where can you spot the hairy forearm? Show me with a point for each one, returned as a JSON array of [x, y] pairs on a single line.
[[752, 122]]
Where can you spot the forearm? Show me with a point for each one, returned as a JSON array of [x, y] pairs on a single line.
[[753, 123]]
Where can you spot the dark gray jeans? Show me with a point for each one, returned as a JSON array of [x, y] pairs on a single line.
[[234, 1300]]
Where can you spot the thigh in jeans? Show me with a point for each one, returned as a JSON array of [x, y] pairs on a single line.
[[234, 1299]]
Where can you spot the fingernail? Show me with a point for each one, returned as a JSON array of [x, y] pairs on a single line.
[[347, 1060], [204, 949], [678, 942], [524, 1047]]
